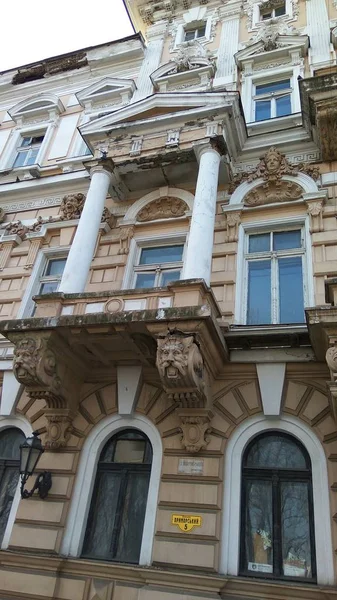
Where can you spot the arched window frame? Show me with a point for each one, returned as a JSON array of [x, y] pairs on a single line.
[[275, 475], [231, 525], [78, 514], [18, 423]]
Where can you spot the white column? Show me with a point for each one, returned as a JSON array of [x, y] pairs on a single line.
[[198, 261], [318, 29], [83, 247], [226, 73]]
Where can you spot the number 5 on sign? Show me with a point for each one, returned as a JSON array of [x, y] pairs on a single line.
[[186, 522]]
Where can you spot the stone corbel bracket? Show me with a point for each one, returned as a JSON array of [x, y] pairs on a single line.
[[42, 364], [331, 359], [184, 379]]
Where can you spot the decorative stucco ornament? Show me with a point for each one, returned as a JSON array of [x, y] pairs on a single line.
[[331, 359], [34, 365], [163, 208], [72, 206], [16, 228], [188, 55]]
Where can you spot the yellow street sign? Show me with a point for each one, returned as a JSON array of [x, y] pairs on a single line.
[[186, 522]]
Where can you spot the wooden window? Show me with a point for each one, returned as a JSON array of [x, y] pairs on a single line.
[[116, 518], [277, 521], [52, 275], [158, 266], [275, 9], [10, 440], [193, 33], [28, 150], [275, 277], [272, 100]]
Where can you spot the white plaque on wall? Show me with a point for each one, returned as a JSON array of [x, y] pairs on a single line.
[[191, 466]]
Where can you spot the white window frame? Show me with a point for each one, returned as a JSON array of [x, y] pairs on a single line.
[[10, 154], [278, 74], [273, 16], [286, 224], [195, 28], [183, 27], [231, 526], [136, 246], [272, 96], [27, 304], [86, 474], [256, 16]]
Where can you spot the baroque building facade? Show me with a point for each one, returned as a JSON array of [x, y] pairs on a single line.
[[168, 308]]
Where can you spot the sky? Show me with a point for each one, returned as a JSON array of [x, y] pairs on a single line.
[[40, 29]]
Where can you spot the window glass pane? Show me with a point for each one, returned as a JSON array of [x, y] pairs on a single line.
[[259, 292], [31, 159], [145, 280], [20, 159], [201, 31], [169, 276], [129, 451], [262, 110], [274, 86], [38, 139], [291, 290], [132, 519], [49, 287], [285, 240], [102, 516], [259, 242], [281, 10], [163, 254], [26, 141], [55, 266], [189, 35], [275, 451], [8, 483], [283, 106], [259, 527], [10, 440], [296, 547], [266, 15], [108, 451]]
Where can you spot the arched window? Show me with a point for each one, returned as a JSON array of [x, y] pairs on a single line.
[[10, 440], [116, 517], [277, 521]]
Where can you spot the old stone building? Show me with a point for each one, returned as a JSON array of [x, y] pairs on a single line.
[[168, 309]]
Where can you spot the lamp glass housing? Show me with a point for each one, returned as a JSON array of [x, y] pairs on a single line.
[[30, 452]]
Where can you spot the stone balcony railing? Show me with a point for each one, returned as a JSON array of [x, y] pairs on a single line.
[[177, 295]]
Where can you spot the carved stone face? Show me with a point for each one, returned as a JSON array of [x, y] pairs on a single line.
[[172, 359], [273, 162], [24, 363]]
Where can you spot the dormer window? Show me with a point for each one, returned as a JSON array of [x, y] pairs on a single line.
[[28, 150], [272, 10], [193, 33]]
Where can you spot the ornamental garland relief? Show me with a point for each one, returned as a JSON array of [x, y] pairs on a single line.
[[272, 168], [163, 208]]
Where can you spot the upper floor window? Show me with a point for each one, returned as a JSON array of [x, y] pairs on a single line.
[[272, 99], [158, 266], [277, 520], [10, 440], [193, 33], [116, 518], [52, 275], [28, 150], [274, 277], [275, 9]]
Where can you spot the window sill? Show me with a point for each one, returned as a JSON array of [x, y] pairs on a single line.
[[275, 124]]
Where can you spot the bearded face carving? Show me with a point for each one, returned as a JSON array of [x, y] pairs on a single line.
[[180, 367], [72, 206], [173, 357]]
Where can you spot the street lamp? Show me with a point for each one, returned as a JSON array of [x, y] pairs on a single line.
[[30, 453]]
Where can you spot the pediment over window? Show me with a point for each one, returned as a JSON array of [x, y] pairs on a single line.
[[276, 43], [41, 107], [194, 71], [109, 91]]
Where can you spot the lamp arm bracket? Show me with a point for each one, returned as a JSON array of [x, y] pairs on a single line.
[[42, 483]]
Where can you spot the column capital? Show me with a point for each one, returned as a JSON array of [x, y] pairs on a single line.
[[105, 165], [212, 144]]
